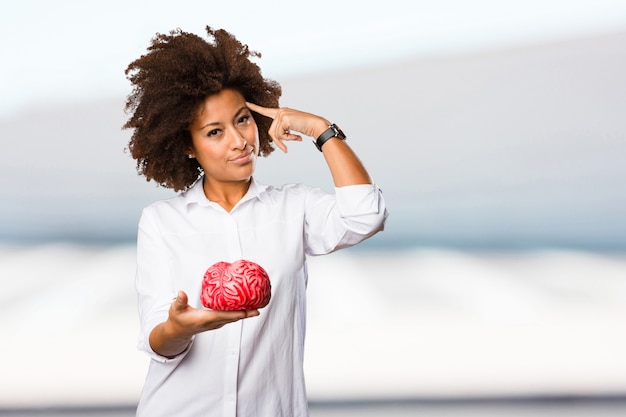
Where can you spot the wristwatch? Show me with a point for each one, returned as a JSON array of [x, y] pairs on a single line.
[[332, 132]]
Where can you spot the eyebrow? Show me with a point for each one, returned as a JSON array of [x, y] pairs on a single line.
[[237, 114]]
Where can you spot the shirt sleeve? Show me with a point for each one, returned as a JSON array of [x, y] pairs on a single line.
[[153, 282], [353, 214]]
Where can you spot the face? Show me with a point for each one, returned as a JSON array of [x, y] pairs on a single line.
[[225, 138]]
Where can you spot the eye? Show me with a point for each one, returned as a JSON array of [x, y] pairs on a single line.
[[213, 132], [244, 119]]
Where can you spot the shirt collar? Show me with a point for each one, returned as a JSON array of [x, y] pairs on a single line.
[[195, 194]]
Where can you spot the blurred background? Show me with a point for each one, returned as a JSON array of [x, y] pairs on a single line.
[[496, 130]]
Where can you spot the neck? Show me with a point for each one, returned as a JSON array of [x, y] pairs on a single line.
[[226, 194]]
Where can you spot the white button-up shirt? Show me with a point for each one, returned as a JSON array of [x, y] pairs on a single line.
[[253, 367]]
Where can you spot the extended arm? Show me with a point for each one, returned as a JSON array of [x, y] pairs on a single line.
[[172, 337]]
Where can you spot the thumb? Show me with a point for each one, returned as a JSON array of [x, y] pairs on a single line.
[[181, 300]]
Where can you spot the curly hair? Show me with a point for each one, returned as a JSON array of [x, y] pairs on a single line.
[[171, 81]]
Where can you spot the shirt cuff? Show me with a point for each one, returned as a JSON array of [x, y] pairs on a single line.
[[145, 347], [357, 200]]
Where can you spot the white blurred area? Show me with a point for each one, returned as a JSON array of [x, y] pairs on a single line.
[[441, 323], [419, 323]]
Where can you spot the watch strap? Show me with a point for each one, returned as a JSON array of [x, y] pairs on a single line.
[[332, 132]]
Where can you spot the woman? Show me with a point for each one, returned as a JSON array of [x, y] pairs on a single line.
[[201, 115]]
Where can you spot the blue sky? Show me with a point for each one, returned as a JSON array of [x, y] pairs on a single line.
[[77, 50]]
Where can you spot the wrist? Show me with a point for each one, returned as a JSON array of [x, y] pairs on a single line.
[[175, 332], [166, 342], [332, 131], [320, 127]]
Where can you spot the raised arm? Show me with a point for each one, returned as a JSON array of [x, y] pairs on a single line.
[[345, 167]]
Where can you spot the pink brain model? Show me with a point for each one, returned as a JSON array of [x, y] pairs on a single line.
[[242, 285]]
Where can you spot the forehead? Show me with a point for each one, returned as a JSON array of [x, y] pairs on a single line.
[[225, 103]]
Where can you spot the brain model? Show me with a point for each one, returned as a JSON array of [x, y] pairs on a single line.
[[242, 285]]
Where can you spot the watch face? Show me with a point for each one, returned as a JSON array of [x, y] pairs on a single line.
[[338, 132]]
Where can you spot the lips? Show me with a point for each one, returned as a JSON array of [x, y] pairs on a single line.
[[243, 158]]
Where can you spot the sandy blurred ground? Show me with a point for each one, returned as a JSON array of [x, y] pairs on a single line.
[[445, 323], [433, 324]]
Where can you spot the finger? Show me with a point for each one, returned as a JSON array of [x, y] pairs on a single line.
[[279, 143], [220, 318], [264, 111], [292, 136], [277, 132], [286, 136], [251, 313], [230, 316], [181, 301]]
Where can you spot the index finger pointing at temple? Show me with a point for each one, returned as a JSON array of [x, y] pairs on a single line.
[[264, 111]]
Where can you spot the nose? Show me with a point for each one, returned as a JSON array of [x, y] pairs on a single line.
[[239, 142]]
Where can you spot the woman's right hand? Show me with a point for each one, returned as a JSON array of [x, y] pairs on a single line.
[[172, 337]]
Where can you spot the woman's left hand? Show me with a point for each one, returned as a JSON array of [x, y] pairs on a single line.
[[287, 120]]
